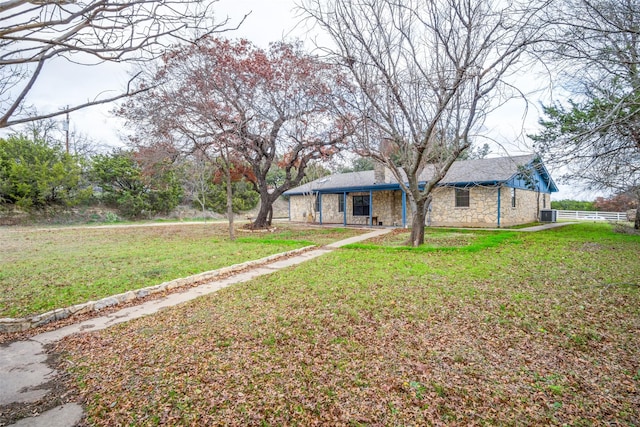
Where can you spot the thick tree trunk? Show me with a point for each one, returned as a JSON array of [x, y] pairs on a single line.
[[270, 216], [417, 222], [263, 219], [636, 222], [232, 235]]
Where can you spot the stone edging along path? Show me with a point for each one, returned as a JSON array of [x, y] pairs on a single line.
[[8, 325]]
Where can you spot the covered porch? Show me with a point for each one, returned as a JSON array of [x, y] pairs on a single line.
[[353, 206]]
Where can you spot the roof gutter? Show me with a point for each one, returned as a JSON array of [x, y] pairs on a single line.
[[382, 187]]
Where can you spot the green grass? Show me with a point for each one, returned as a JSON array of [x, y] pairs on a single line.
[[532, 329], [531, 224], [437, 240], [43, 269]]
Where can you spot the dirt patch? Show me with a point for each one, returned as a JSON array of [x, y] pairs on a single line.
[[622, 228], [591, 247], [400, 237]]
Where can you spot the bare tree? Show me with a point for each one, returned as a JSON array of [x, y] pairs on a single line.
[[264, 108], [197, 172], [45, 130], [427, 73], [78, 144], [168, 138], [33, 33], [594, 50], [226, 164]]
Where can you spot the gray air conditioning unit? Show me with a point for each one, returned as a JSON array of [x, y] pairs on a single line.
[[548, 215]]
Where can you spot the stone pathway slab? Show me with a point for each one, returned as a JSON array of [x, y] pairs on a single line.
[[22, 371], [65, 415]]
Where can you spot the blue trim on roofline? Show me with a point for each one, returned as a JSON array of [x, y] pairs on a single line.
[[553, 188], [548, 185], [382, 187], [545, 183], [357, 189]]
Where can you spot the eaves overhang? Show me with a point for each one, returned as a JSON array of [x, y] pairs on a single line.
[[544, 174], [354, 189], [387, 187]]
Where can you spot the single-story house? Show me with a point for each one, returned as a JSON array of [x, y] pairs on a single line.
[[491, 192]]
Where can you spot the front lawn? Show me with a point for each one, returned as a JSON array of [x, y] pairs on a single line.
[[43, 269], [534, 329]]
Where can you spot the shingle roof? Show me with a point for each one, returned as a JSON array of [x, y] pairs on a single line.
[[498, 169], [477, 171]]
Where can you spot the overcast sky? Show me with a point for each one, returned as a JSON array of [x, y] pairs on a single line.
[[62, 83], [267, 21]]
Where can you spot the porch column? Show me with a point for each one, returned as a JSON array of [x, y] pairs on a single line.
[[320, 205], [344, 211], [499, 188], [404, 209], [370, 208]]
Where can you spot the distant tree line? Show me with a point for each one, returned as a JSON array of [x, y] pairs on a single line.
[[617, 203], [37, 174], [573, 205]]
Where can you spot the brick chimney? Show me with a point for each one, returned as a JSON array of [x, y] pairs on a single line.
[[379, 173]]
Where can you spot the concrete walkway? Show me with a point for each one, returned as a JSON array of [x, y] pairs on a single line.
[[544, 226], [24, 373]]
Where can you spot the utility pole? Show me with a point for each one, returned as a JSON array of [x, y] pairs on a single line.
[[65, 126]]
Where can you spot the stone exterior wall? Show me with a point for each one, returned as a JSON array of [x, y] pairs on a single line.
[[387, 208], [482, 210], [483, 207], [301, 208], [526, 207]]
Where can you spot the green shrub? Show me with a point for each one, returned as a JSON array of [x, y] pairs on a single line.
[[35, 175], [135, 194]]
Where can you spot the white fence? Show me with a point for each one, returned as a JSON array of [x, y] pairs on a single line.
[[592, 215]]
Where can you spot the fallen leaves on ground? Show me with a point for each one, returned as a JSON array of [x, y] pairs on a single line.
[[512, 335]]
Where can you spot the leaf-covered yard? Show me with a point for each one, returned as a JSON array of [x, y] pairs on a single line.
[[541, 328]]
